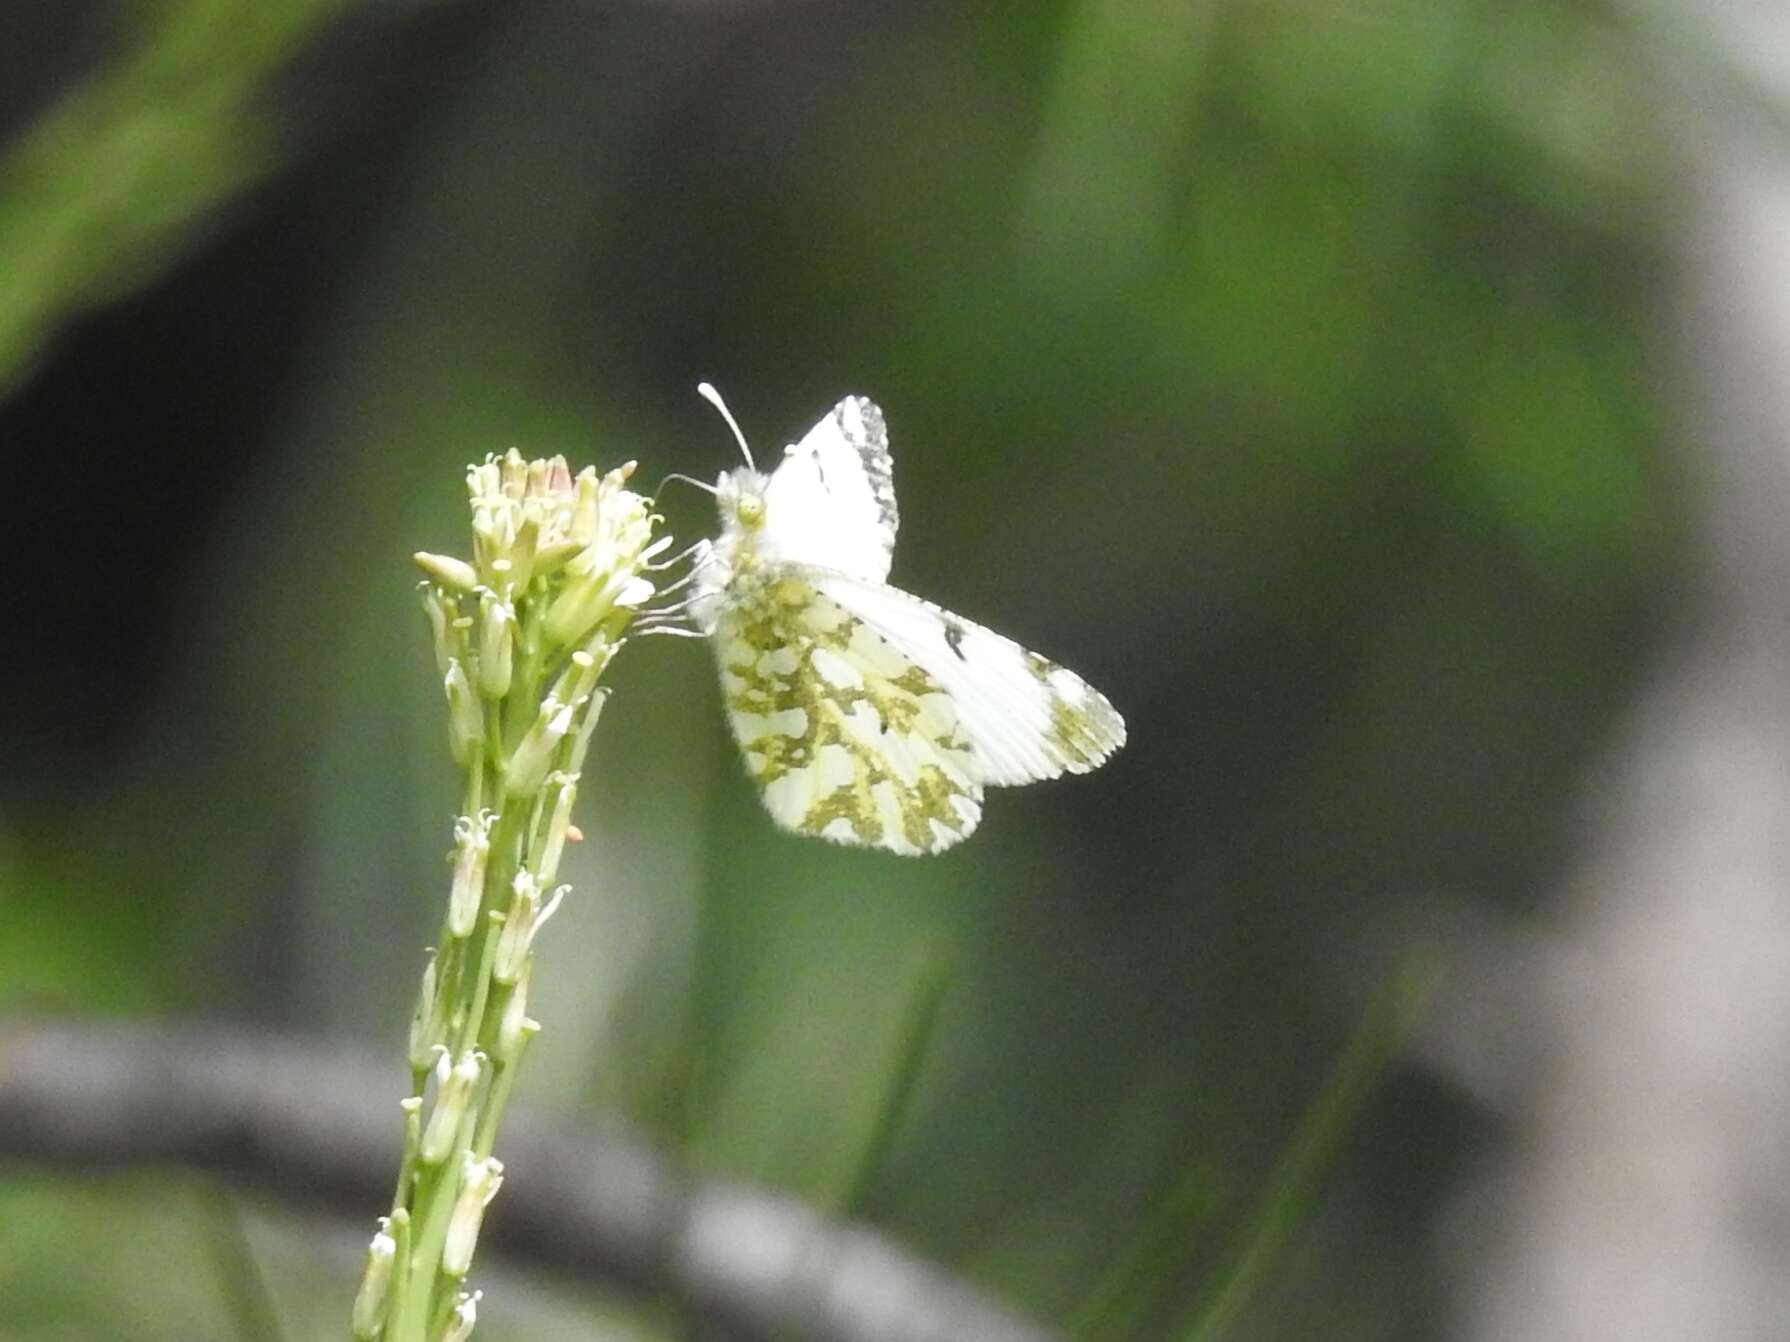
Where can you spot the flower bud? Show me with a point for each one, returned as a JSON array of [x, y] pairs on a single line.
[[525, 917], [479, 1182], [636, 591], [465, 1316], [497, 644], [411, 1106], [522, 552], [581, 605], [441, 610], [534, 753], [466, 719], [453, 1093], [593, 709], [587, 497], [550, 559], [425, 1022], [454, 574], [472, 852], [557, 825], [515, 1027], [516, 470], [375, 1283], [575, 681]]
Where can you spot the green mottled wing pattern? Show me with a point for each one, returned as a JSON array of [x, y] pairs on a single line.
[[847, 737], [1025, 717]]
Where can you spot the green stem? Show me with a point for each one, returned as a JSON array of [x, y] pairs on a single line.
[[1312, 1150], [524, 698], [412, 1139], [410, 1304], [464, 979], [246, 1297], [485, 1137]]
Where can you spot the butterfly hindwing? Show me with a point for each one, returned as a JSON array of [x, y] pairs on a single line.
[[1025, 717], [847, 737]]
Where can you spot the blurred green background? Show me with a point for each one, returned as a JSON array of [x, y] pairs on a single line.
[[1284, 368]]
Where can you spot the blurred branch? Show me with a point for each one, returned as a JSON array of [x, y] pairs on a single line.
[[102, 191], [1647, 1197], [1729, 63], [113, 183], [315, 1126]]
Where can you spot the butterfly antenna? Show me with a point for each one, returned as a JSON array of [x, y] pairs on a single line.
[[688, 480], [707, 391]]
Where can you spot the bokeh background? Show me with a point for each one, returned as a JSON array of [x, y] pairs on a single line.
[[1376, 401]]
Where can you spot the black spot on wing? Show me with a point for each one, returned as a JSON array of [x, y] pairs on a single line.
[[954, 639]]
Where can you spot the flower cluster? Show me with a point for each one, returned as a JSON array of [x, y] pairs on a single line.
[[523, 631], [565, 550]]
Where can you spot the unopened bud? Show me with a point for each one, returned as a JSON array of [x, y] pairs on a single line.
[[442, 610], [577, 679], [454, 574], [453, 1093], [559, 826], [466, 720], [636, 591], [472, 852], [425, 1021], [497, 644], [375, 1283], [534, 753], [411, 1106], [479, 1182], [586, 503], [587, 725], [514, 1027], [550, 559], [527, 913], [465, 1316], [522, 552], [591, 591]]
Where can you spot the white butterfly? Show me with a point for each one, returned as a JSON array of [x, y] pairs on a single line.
[[866, 715]]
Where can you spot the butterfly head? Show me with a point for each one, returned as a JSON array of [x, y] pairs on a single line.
[[739, 497], [739, 494]]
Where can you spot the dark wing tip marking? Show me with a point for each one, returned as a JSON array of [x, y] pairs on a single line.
[[873, 451]]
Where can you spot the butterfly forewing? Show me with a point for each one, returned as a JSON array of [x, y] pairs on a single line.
[[831, 500], [847, 737]]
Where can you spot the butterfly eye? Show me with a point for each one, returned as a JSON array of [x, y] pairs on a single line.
[[750, 510]]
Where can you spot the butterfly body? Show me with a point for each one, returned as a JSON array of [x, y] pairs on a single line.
[[866, 715]]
